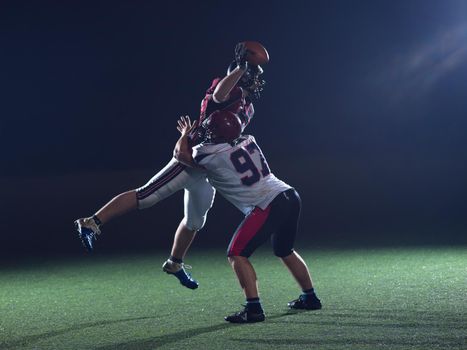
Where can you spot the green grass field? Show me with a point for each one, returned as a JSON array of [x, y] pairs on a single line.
[[410, 298]]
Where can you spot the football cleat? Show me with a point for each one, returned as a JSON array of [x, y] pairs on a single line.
[[178, 270], [87, 232], [245, 316], [305, 302]]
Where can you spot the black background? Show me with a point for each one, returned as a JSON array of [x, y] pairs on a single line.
[[364, 112]]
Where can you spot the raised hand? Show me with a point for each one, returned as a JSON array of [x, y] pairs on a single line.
[[185, 126], [240, 55]]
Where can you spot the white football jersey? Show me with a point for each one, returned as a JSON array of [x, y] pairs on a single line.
[[240, 173]]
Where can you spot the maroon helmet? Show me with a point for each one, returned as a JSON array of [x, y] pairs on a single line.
[[223, 126]]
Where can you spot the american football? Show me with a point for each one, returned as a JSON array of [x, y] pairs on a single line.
[[339, 166], [257, 53]]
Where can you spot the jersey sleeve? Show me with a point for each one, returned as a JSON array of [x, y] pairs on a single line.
[[207, 100], [214, 83], [233, 103], [201, 154], [236, 103]]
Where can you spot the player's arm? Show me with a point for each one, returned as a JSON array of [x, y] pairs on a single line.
[[183, 151], [225, 86]]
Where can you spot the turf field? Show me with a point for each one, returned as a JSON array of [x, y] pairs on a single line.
[[410, 298]]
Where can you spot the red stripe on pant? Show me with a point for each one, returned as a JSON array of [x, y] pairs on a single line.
[[249, 228], [154, 186]]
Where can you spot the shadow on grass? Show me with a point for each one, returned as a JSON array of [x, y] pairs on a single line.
[[383, 318], [149, 343], [419, 322], [155, 342], [37, 337], [320, 319]]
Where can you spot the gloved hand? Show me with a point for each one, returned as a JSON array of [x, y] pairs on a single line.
[[241, 53]]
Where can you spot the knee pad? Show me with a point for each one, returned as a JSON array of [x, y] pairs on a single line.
[[195, 223], [198, 200]]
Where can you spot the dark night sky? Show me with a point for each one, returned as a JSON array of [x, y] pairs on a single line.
[[365, 110]]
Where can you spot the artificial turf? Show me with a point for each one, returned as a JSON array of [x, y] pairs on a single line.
[[407, 298]]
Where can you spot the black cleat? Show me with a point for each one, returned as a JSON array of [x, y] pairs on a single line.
[[245, 316], [310, 302]]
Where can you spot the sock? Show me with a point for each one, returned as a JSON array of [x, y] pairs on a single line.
[[176, 260], [309, 294], [97, 220], [254, 304], [309, 291]]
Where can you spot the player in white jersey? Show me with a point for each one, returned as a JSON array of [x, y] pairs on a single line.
[[237, 168], [234, 92], [241, 163]]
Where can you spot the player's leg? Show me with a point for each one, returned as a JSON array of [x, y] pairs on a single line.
[[183, 238], [254, 230], [198, 199], [246, 276], [117, 206], [88, 228], [283, 241], [298, 269], [169, 180], [308, 299], [174, 265]]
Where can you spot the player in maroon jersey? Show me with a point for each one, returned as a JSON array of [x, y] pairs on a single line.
[[235, 93]]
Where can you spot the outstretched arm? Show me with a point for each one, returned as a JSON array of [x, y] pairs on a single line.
[[183, 149], [225, 86]]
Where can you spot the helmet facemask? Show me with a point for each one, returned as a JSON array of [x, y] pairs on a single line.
[[250, 81]]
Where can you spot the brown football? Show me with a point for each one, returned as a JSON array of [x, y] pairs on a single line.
[[256, 53]]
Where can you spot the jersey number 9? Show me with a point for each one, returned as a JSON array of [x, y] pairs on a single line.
[[243, 162]]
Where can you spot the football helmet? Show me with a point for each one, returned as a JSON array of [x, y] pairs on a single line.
[[250, 80], [222, 126]]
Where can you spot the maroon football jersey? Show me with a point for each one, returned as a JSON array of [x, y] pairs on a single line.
[[236, 103]]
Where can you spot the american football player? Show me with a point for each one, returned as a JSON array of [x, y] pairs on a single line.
[[235, 93], [237, 168]]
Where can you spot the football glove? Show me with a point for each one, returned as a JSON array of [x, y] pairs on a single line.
[[240, 56]]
